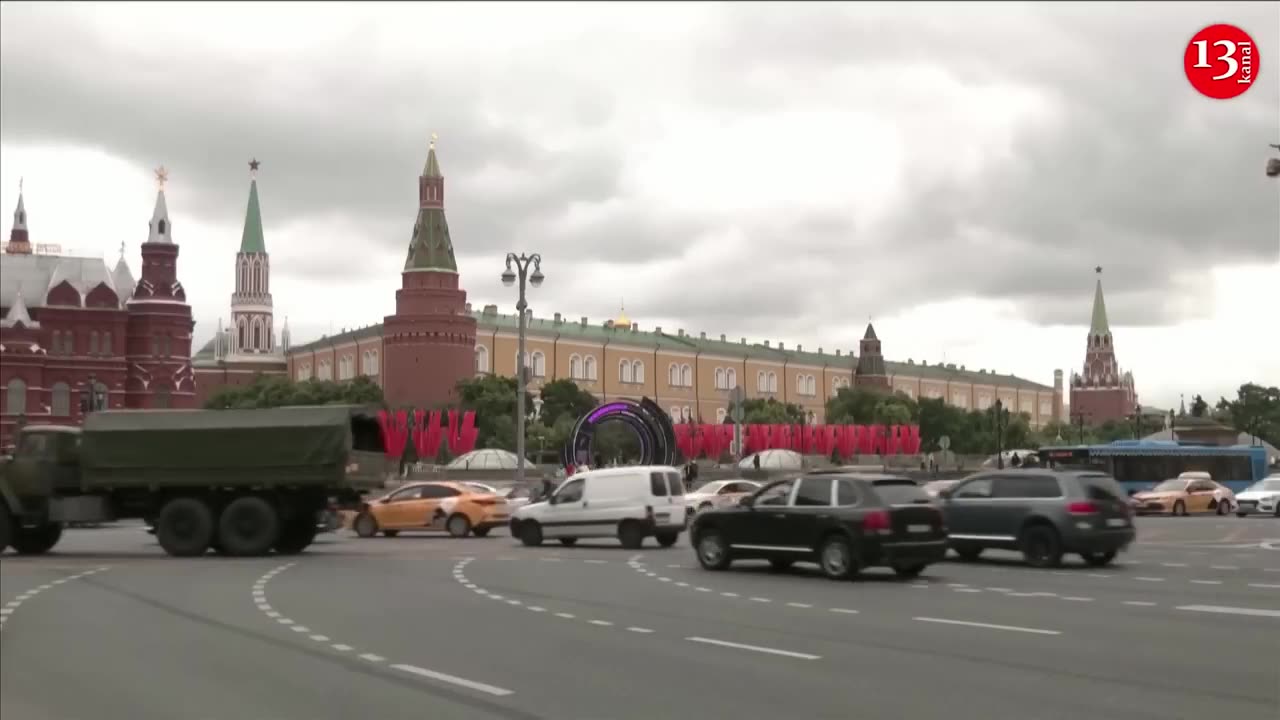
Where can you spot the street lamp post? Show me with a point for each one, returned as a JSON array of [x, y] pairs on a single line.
[[1079, 421], [1000, 427], [521, 272]]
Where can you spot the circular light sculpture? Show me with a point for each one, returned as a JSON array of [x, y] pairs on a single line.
[[648, 421]]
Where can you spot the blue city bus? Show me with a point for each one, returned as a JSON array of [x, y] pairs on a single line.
[[1139, 464]]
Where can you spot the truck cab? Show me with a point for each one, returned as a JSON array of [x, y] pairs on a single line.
[[44, 462]]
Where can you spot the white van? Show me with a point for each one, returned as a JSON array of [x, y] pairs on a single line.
[[629, 503]]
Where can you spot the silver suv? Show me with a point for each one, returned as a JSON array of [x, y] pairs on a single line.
[[1042, 513]]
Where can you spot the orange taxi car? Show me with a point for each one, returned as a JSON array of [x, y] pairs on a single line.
[[458, 508], [1190, 492]]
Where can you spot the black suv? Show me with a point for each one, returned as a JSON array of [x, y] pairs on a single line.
[[1042, 513], [841, 521]]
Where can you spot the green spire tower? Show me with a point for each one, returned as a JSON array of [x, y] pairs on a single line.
[[430, 247], [252, 324]]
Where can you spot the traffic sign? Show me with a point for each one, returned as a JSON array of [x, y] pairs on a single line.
[[736, 397], [944, 442]]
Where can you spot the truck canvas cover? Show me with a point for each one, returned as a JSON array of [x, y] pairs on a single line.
[[275, 445]]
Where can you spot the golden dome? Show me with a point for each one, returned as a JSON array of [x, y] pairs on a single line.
[[622, 320]]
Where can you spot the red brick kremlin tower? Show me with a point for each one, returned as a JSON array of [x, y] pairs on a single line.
[[870, 372], [158, 345], [429, 343], [1102, 392]]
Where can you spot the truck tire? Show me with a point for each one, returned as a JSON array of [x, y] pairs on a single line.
[[37, 540], [184, 527], [249, 526], [6, 527], [296, 535]]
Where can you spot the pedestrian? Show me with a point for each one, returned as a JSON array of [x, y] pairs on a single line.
[[1015, 460], [755, 461], [693, 474]]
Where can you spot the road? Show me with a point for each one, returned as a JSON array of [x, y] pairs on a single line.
[[1186, 626]]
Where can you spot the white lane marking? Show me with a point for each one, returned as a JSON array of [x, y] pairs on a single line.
[[514, 602], [957, 585], [639, 630], [602, 623], [596, 562], [320, 638], [1173, 564], [536, 608], [1226, 610], [550, 559], [799, 605], [284, 621], [754, 648], [271, 613], [846, 611], [664, 579], [492, 596], [675, 566], [702, 589], [729, 594], [760, 599], [1001, 590], [1149, 579], [988, 626], [566, 616], [1266, 586], [966, 590], [371, 657], [341, 648], [682, 584], [454, 680], [300, 629], [1140, 603], [11, 607], [1023, 594], [1225, 567], [1100, 575], [1077, 599], [1206, 582]]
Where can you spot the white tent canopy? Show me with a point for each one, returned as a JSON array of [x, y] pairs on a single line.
[[774, 460], [488, 459]]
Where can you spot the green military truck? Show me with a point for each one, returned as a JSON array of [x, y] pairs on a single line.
[[240, 482]]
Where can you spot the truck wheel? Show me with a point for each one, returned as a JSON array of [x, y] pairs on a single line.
[[296, 536], [184, 527], [36, 540], [249, 526], [6, 527]]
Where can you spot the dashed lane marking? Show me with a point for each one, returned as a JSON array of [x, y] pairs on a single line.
[[988, 626], [11, 607], [1227, 610], [754, 648], [260, 600], [1267, 586]]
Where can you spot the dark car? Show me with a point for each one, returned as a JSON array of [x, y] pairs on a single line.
[[841, 521], [1042, 513]]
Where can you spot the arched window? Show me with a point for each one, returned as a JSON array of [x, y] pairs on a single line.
[[687, 413], [800, 384], [624, 371], [762, 382], [637, 371], [773, 382], [56, 340], [810, 385], [69, 343], [482, 359], [93, 342], [575, 368], [244, 334], [673, 375], [686, 375], [243, 276], [539, 364], [106, 344], [257, 334], [731, 376], [720, 415], [374, 365], [162, 398], [720, 379], [15, 400], [589, 365], [61, 405]]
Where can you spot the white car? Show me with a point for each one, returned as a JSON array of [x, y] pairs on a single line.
[[719, 493], [629, 503], [1260, 497]]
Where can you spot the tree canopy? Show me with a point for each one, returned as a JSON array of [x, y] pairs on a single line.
[[266, 391], [768, 411]]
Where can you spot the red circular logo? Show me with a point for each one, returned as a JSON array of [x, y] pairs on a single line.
[[1221, 61]]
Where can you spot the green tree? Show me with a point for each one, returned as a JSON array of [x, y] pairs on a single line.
[[493, 399], [1256, 410], [859, 406], [937, 418], [564, 398], [615, 440], [769, 411], [891, 411], [266, 391]]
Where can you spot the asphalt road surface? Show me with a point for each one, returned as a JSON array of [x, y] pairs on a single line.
[[1187, 625]]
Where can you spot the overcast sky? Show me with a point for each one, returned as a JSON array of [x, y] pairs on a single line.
[[778, 172]]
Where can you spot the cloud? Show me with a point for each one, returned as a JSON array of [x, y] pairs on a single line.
[[740, 168]]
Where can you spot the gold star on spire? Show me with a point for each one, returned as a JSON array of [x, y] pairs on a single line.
[[434, 138], [253, 167], [162, 176], [121, 249], [1098, 270]]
